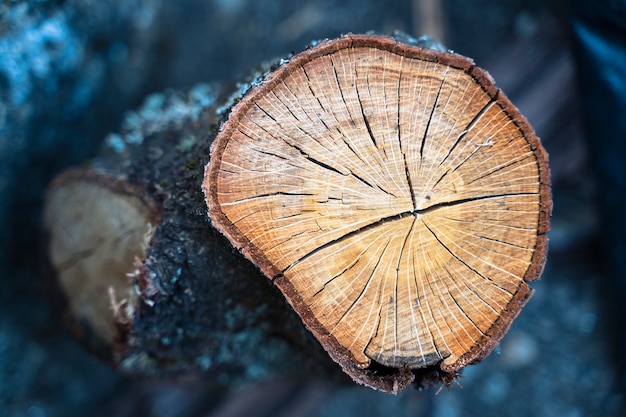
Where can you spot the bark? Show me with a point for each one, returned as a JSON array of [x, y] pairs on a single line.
[[191, 303]]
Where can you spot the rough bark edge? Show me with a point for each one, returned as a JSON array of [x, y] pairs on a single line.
[[392, 382], [59, 300]]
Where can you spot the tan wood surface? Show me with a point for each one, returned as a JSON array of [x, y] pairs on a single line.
[[98, 228], [395, 196]]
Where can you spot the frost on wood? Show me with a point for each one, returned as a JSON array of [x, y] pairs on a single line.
[[394, 195]]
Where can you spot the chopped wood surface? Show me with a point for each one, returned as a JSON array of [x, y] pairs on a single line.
[[98, 228], [394, 195]]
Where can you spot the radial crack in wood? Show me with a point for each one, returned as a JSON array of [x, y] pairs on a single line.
[[394, 195]]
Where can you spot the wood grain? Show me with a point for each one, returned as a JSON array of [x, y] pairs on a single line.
[[396, 197]]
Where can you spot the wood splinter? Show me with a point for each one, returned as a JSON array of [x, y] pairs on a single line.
[[394, 195]]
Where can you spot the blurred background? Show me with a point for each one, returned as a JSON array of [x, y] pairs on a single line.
[[69, 70]]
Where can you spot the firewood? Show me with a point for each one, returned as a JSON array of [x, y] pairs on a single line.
[[395, 197]]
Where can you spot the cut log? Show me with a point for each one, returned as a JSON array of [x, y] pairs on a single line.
[[98, 228], [397, 198], [393, 195]]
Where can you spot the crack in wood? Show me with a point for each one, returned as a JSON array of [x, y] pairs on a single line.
[[430, 117], [458, 258], [396, 217]]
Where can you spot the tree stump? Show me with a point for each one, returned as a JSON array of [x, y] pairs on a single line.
[[395, 197]]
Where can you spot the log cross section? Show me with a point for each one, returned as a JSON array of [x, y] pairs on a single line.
[[394, 195]]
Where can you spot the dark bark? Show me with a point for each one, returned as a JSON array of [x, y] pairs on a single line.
[[201, 305]]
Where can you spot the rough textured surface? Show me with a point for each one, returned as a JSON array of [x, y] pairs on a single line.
[[198, 306], [345, 182], [566, 367]]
